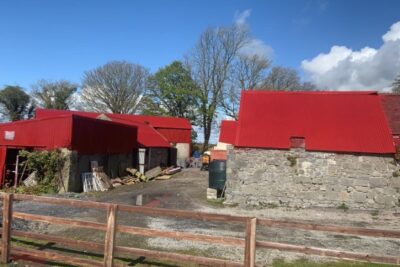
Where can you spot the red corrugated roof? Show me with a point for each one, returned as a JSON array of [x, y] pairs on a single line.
[[147, 135], [391, 107], [83, 134], [227, 132], [158, 121], [328, 121]]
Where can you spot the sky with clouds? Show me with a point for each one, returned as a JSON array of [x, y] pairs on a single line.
[[338, 45]]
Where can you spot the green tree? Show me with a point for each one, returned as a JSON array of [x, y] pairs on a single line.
[[172, 92], [396, 85], [54, 95], [15, 103]]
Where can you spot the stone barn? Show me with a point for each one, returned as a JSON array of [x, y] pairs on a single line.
[[312, 149]]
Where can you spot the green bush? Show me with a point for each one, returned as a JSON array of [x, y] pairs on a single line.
[[48, 165]]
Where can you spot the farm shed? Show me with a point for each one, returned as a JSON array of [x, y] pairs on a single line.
[[303, 149], [159, 151], [81, 139], [178, 131]]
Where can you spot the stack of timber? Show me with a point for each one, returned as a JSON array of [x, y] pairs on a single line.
[[134, 176]]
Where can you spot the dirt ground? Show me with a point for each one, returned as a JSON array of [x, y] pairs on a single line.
[[187, 191]]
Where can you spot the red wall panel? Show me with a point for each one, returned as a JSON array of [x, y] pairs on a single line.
[[92, 136], [227, 132], [48, 133]]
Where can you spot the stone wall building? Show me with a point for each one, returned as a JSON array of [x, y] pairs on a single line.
[[312, 149]]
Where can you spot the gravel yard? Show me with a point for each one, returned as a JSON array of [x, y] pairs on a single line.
[[187, 191]]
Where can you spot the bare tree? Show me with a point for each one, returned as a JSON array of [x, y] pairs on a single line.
[[55, 95], [281, 78], [210, 63], [307, 86], [247, 73], [396, 85], [115, 87]]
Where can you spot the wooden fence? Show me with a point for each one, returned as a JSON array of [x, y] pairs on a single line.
[[109, 248]]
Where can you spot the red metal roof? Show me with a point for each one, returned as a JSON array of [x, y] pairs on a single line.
[[328, 121], [391, 107], [155, 121], [158, 121], [227, 132], [147, 136], [85, 135]]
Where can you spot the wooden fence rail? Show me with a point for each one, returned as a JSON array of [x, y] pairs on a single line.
[[111, 227]]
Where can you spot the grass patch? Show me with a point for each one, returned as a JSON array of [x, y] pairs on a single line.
[[216, 203], [308, 263]]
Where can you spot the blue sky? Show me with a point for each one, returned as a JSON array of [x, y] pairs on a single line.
[[61, 39]]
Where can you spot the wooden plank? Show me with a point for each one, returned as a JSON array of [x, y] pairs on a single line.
[[128, 208], [62, 201], [110, 235], [250, 248], [330, 228], [92, 246], [6, 228], [329, 252], [57, 220], [44, 256], [233, 241], [72, 243], [169, 256], [196, 215]]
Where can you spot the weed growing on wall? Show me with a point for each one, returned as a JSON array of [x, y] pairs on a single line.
[[47, 165], [292, 160]]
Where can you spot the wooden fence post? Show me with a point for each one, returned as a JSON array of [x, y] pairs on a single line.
[[250, 247], [110, 235], [6, 235]]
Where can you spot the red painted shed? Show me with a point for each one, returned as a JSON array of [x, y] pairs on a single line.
[[173, 130], [147, 135], [82, 134], [228, 131], [352, 122]]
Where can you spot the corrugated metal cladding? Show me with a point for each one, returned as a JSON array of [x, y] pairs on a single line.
[[328, 121], [391, 107], [228, 132], [176, 135], [85, 135], [151, 128]]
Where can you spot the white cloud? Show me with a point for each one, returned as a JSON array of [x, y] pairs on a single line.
[[366, 69], [393, 34], [241, 17], [254, 46]]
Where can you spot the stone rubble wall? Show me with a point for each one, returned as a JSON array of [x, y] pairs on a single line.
[[298, 178], [75, 164]]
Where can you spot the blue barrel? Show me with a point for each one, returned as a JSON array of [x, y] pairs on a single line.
[[217, 174]]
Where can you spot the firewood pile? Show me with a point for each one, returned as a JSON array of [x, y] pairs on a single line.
[[134, 176]]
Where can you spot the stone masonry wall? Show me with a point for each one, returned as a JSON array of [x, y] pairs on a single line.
[[298, 178], [76, 164]]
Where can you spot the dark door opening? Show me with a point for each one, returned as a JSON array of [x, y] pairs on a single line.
[[14, 168]]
